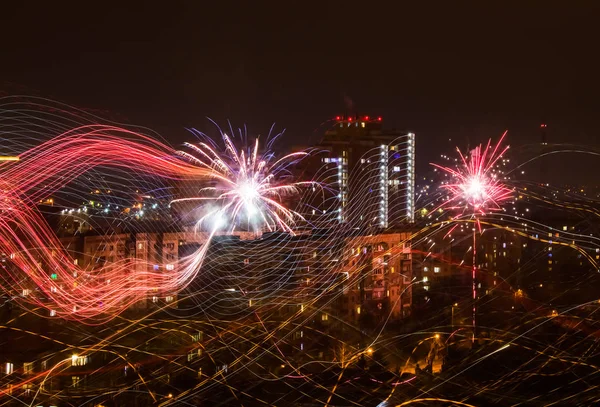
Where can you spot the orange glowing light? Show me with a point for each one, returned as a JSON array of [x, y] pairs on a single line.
[[9, 158]]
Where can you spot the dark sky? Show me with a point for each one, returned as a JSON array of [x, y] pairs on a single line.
[[459, 70]]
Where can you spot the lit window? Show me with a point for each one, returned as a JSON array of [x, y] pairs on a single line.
[[426, 269], [426, 287], [140, 246], [9, 368], [191, 356], [358, 310], [324, 317], [75, 380], [396, 168], [155, 299], [77, 360], [169, 298], [170, 267], [565, 228], [28, 368], [26, 292], [52, 313], [436, 269], [362, 124], [425, 279]]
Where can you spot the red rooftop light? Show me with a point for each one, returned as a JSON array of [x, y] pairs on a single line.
[[337, 117], [543, 126], [366, 117], [379, 118], [349, 119]]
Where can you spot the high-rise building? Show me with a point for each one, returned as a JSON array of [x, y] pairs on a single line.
[[369, 172]]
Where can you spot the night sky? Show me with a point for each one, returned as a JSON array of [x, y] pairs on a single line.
[[464, 73]]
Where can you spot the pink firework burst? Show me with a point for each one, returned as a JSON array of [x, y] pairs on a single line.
[[475, 187]]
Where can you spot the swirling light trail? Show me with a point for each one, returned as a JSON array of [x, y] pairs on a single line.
[[31, 244]]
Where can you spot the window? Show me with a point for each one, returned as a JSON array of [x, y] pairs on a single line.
[[324, 317], [191, 356], [169, 298], [565, 228], [26, 292], [425, 269], [425, 279], [140, 246], [10, 368], [28, 367], [77, 360], [436, 269], [396, 168], [198, 336], [75, 380], [170, 267], [52, 312], [155, 299]]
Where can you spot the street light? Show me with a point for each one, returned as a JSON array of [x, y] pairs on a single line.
[[455, 305]]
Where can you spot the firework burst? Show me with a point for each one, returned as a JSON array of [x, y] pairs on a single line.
[[476, 188], [248, 189]]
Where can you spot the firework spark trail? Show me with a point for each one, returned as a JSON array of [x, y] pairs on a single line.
[[475, 190]]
